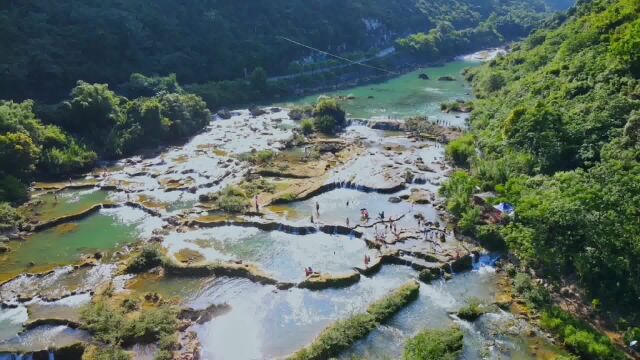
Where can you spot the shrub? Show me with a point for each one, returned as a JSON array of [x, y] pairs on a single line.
[[578, 336], [522, 283], [461, 150], [12, 189], [147, 259], [329, 107], [435, 345], [472, 311], [264, 156], [111, 326], [342, 334], [233, 199], [307, 126], [325, 124], [10, 217], [105, 353]]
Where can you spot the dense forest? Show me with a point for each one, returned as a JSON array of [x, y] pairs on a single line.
[[556, 128], [89, 80], [48, 46]]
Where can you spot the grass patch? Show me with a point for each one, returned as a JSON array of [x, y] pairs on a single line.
[[435, 345], [342, 334]]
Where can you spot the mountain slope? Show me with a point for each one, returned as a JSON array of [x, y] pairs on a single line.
[[558, 129], [47, 46]]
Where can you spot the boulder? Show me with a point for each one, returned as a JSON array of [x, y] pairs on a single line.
[[224, 114], [387, 125], [420, 197], [446, 78], [256, 111], [394, 200], [423, 76]]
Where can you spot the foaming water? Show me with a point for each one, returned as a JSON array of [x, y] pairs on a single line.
[[281, 254], [267, 323], [42, 338], [11, 321]]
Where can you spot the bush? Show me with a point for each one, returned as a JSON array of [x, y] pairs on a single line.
[[325, 124], [10, 217], [522, 283], [105, 353], [461, 150], [111, 326], [472, 311], [330, 107], [13, 190], [632, 334], [435, 345], [233, 199], [147, 259], [307, 126], [262, 157], [342, 334], [578, 336]]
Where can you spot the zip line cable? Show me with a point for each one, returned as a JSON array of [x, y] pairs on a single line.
[[338, 57]]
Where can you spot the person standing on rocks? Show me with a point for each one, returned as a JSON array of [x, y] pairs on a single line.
[[317, 209], [257, 206]]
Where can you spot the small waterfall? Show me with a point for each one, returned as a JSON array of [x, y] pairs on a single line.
[[451, 268], [351, 235], [52, 355], [280, 228]]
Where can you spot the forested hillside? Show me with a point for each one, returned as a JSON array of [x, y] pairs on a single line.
[[49, 45], [88, 80], [557, 125]]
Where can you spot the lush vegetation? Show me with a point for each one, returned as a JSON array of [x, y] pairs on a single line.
[[29, 147], [576, 335], [435, 345], [344, 333], [556, 125], [121, 326], [48, 46], [59, 142], [471, 26]]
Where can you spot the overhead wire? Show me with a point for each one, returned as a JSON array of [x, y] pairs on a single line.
[[338, 57]]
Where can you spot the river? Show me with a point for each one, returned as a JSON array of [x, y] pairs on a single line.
[[264, 322]]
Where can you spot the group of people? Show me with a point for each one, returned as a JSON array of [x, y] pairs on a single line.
[[308, 271]]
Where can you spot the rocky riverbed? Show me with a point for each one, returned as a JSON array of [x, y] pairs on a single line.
[[304, 204]]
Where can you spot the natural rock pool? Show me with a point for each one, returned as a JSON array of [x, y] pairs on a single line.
[[311, 217]]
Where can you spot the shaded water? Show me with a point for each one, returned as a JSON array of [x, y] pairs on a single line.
[[407, 95]]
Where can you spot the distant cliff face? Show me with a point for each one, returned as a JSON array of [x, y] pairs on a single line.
[[48, 45]]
